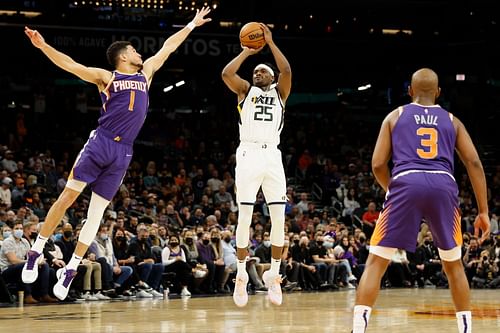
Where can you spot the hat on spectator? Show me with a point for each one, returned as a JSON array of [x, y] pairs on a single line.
[[7, 181]]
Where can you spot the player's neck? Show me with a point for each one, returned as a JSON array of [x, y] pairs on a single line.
[[127, 69], [425, 101]]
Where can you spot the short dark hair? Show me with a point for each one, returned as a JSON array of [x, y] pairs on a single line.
[[114, 51]]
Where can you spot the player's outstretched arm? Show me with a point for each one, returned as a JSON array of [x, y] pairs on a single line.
[[98, 76], [154, 63], [470, 158], [285, 77]]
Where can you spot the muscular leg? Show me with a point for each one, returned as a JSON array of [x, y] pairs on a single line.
[[57, 211]]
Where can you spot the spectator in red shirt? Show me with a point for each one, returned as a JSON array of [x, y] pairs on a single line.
[[370, 218]]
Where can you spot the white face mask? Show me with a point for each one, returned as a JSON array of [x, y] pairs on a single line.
[[267, 243], [18, 233]]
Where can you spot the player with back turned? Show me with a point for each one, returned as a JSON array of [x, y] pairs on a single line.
[[104, 160], [261, 107], [421, 138]]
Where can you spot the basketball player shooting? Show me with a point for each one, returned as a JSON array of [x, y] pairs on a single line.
[[104, 160], [421, 137], [261, 106]]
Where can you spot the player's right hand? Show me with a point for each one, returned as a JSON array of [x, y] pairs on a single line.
[[482, 223], [251, 51], [35, 37]]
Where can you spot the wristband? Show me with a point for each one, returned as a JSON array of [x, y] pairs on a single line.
[[191, 26]]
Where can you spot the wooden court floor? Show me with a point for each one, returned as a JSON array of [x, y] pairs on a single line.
[[397, 310]]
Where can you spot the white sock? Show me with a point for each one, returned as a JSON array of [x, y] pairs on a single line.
[[464, 321], [275, 266], [361, 318], [39, 244], [241, 266], [74, 262]]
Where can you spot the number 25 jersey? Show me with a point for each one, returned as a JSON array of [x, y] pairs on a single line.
[[261, 116], [423, 139]]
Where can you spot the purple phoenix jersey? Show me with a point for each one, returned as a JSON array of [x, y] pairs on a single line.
[[422, 187], [105, 158]]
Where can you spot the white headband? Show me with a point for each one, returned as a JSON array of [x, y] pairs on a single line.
[[266, 67]]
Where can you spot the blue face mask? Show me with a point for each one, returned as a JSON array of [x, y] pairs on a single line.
[[58, 237], [6, 234], [18, 233], [328, 245], [104, 236]]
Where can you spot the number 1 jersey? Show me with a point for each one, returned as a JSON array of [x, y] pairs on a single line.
[[125, 104], [261, 116], [423, 139]]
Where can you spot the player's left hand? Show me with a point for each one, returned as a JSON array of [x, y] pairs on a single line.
[[482, 223], [199, 18], [268, 36]]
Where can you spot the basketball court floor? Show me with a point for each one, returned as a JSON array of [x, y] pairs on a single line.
[[397, 310]]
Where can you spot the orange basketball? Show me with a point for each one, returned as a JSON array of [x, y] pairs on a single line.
[[252, 35]]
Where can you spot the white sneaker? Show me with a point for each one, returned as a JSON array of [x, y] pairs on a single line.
[[273, 284], [30, 268], [352, 278], [89, 297], [185, 292], [98, 295], [65, 277], [143, 294], [155, 293], [240, 294], [350, 286]]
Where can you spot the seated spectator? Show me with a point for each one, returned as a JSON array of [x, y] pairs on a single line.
[[369, 219], [174, 260], [398, 272], [12, 259], [149, 271], [309, 278], [6, 232], [114, 275]]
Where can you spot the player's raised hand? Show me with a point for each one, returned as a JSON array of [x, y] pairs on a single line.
[[35, 37], [482, 223], [268, 36], [199, 18], [251, 51]]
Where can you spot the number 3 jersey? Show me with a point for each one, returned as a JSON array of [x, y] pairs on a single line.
[[124, 105], [423, 139], [261, 116]]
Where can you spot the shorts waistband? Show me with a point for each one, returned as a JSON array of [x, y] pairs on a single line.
[[110, 135], [407, 172], [258, 145]]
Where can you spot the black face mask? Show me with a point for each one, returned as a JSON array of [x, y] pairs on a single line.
[[33, 235], [153, 237], [296, 241], [215, 239], [319, 243], [189, 241], [200, 234], [227, 239], [427, 242], [174, 244], [206, 241], [68, 233], [362, 239], [121, 238], [143, 240]]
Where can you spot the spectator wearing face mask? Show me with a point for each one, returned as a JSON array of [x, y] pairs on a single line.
[[12, 259], [149, 271], [174, 260], [113, 275], [208, 257], [30, 232], [6, 232], [263, 252]]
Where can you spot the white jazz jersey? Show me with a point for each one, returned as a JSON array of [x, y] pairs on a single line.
[[261, 116], [259, 162]]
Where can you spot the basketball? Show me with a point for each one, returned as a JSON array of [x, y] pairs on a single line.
[[252, 35]]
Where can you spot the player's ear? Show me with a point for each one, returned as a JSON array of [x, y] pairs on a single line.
[[410, 91], [438, 92]]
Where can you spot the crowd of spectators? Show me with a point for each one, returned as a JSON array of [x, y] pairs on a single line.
[[173, 220]]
